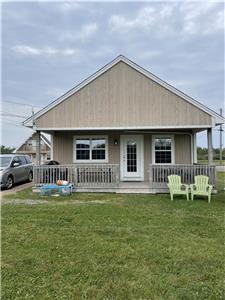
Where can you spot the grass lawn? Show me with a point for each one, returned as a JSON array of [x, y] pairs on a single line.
[[105, 246], [215, 162]]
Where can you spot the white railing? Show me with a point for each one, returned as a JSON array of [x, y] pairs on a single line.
[[83, 175], [158, 174]]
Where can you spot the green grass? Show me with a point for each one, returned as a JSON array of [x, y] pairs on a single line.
[[119, 247], [215, 162]]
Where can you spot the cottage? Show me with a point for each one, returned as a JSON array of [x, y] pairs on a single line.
[[29, 147], [125, 130]]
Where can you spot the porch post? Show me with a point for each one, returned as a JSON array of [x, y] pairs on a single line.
[[195, 158], [38, 148], [52, 145], [210, 147]]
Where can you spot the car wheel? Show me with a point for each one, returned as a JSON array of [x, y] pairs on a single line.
[[30, 177], [9, 182]]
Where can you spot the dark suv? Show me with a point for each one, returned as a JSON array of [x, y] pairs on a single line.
[[14, 169]]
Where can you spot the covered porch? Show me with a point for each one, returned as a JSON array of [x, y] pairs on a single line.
[[106, 178], [124, 161]]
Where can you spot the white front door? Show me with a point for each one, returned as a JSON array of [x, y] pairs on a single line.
[[132, 158]]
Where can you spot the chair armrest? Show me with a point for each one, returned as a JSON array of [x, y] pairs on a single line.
[[209, 187], [184, 185]]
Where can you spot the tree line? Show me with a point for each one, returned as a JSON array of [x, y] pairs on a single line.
[[203, 153]]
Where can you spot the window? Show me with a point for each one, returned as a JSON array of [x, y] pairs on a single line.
[[16, 160], [90, 149], [162, 150], [32, 143], [23, 160], [28, 159], [98, 149], [48, 156], [131, 156]]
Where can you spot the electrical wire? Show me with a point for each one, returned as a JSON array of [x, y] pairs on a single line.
[[3, 113], [20, 103]]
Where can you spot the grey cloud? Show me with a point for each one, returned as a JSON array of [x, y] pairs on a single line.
[[51, 47]]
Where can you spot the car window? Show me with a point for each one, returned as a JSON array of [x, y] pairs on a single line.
[[23, 160], [28, 159], [16, 160], [5, 161]]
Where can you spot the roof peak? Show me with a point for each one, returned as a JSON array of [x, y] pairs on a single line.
[[119, 58]]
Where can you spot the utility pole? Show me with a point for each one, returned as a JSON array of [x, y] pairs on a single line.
[[221, 138]]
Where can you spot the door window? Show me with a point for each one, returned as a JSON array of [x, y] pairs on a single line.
[[131, 156]]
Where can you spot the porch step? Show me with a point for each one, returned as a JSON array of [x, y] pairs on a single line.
[[124, 188]]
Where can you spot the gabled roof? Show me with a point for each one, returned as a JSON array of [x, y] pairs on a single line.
[[217, 118], [43, 138]]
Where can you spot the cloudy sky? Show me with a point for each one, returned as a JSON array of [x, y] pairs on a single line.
[[50, 47]]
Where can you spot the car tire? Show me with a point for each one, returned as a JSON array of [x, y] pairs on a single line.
[[9, 182], [30, 177]]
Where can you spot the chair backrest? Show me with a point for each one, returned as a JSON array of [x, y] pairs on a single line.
[[174, 181], [201, 182]]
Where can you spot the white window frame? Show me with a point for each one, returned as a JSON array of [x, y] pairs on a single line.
[[166, 136], [89, 161]]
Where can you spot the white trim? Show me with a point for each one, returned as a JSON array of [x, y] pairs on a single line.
[[218, 119], [46, 141], [141, 159], [171, 136], [122, 128], [91, 161]]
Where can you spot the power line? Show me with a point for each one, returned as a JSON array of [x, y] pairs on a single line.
[[11, 122], [3, 113], [20, 103]]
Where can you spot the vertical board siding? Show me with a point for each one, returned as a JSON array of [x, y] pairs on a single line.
[[123, 97], [63, 148], [183, 149]]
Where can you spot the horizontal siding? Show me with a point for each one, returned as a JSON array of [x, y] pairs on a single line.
[[123, 97], [63, 148]]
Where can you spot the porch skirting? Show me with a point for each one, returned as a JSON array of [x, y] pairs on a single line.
[[106, 177]]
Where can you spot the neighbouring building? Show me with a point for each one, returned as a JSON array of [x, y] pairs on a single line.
[[29, 147]]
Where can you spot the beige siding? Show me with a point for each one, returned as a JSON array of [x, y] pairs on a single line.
[[123, 97], [63, 149], [182, 149]]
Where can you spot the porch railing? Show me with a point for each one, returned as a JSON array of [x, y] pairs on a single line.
[[158, 174], [81, 175]]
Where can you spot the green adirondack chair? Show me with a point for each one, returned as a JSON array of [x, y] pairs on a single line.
[[176, 187], [201, 187]]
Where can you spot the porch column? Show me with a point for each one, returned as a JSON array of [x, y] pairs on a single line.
[[210, 147], [38, 148], [195, 158], [52, 141]]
